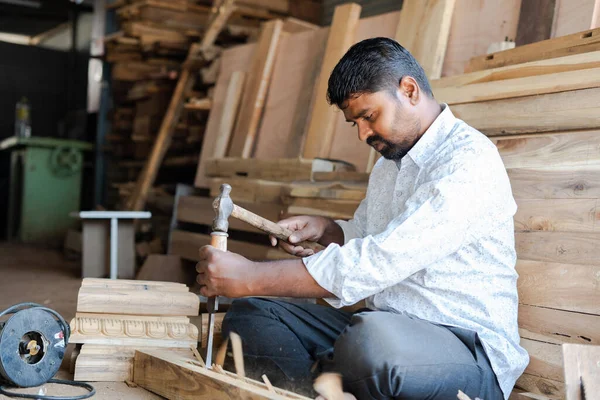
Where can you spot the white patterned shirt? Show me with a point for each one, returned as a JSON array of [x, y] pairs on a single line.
[[434, 237]]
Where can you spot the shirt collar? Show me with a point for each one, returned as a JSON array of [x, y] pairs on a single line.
[[433, 137]]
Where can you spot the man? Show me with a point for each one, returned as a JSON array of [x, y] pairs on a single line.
[[430, 249]]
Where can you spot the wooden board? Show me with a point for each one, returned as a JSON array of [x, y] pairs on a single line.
[[557, 215], [555, 183], [133, 285], [558, 326], [250, 190], [323, 117], [533, 68], [567, 287], [577, 109], [582, 371], [423, 29], [187, 245], [545, 359], [199, 210], [288, 102], [520, 87], [137, 302], [230, 109], [574, 16], [176, 377], [232, 60], [558, 247], [257, 82], [328, 207], [535, 21], [475, 25], [346, 145], [326, 190], [576, 43]]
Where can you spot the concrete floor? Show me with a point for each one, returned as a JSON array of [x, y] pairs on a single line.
[[39, 275]]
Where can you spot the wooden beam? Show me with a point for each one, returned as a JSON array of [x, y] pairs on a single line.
[[576, 43], [323, 117], [535, 21], [184, 84], [521, 87], [253, 100], [423, 30], [582, 371], [230, 110], [577, 109], [174, 377], [569, 287]]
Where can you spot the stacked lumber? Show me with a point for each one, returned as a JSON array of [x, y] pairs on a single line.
[[117, 317], [539, 104]]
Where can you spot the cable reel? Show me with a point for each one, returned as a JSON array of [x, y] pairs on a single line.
[[33, 341]]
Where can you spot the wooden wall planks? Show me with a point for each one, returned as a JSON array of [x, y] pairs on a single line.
[[575, 16], [557, 215], [560, 247], [555, 183], [545, 359]]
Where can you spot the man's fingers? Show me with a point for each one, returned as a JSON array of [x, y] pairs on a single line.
[[273, 240], [202, 266]]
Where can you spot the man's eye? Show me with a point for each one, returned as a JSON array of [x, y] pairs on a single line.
[[353, 124], [368, 118]]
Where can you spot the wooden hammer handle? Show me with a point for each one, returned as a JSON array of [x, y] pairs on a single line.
[[271, 227]]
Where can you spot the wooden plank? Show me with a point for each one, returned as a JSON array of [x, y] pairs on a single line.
[[582, 371], [475, 25], [568, 149], [423, 29], [557, 215], [323, 117], [232, 60], [249, 190], [288, 102], [346, 145], [555, 183], [134, 285], [198, 210], [533, 68], [230, 110], [567, 287], [342, 208], [576, 43], [558, 326], [347, 176], [535, 21], [326, 190], [284, 170], [577, 109], [553, 389], [545, 359], [187, 245], [136, 302], [520, 87], [176, 377], [253, 100], [559, 247], [186, 81], [574, 16]]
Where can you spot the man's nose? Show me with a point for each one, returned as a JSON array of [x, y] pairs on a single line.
[[364, 131]]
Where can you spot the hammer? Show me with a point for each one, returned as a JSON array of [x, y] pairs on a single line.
[[224, 207]]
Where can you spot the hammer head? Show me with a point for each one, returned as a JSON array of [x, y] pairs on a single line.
[[223, 206]]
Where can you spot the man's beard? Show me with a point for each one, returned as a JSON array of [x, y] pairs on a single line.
[[390, 151]]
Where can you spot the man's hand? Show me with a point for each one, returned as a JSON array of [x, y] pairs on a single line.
[[311, 228], [224, 274]]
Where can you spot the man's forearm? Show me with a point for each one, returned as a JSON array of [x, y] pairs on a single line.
[[287, 278]]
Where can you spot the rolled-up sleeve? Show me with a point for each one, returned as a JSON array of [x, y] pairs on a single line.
[[434, 224]]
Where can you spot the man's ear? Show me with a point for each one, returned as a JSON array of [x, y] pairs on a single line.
[[409, 88]]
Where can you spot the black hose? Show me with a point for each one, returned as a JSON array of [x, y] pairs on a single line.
[[90, 388]]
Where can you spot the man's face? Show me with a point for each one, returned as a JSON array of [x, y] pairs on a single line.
[[386, 121]]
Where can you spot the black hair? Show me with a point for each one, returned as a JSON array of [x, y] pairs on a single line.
[[373, 65]]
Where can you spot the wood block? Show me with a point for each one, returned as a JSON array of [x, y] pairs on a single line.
[[558, 326], [582, 369], [581, 42], [475, 24], [567, 287], [253, 100], [176, 377], [520, 87], [553, 389], [574, 62], [554, 112], [423, 30], [187, 245], [136, 302], [557, 215], [133, 285], [321, 128], [232, 60], [111, 330], [574, 16]]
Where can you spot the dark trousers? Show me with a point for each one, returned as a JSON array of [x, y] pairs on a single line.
[[380, 355]]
